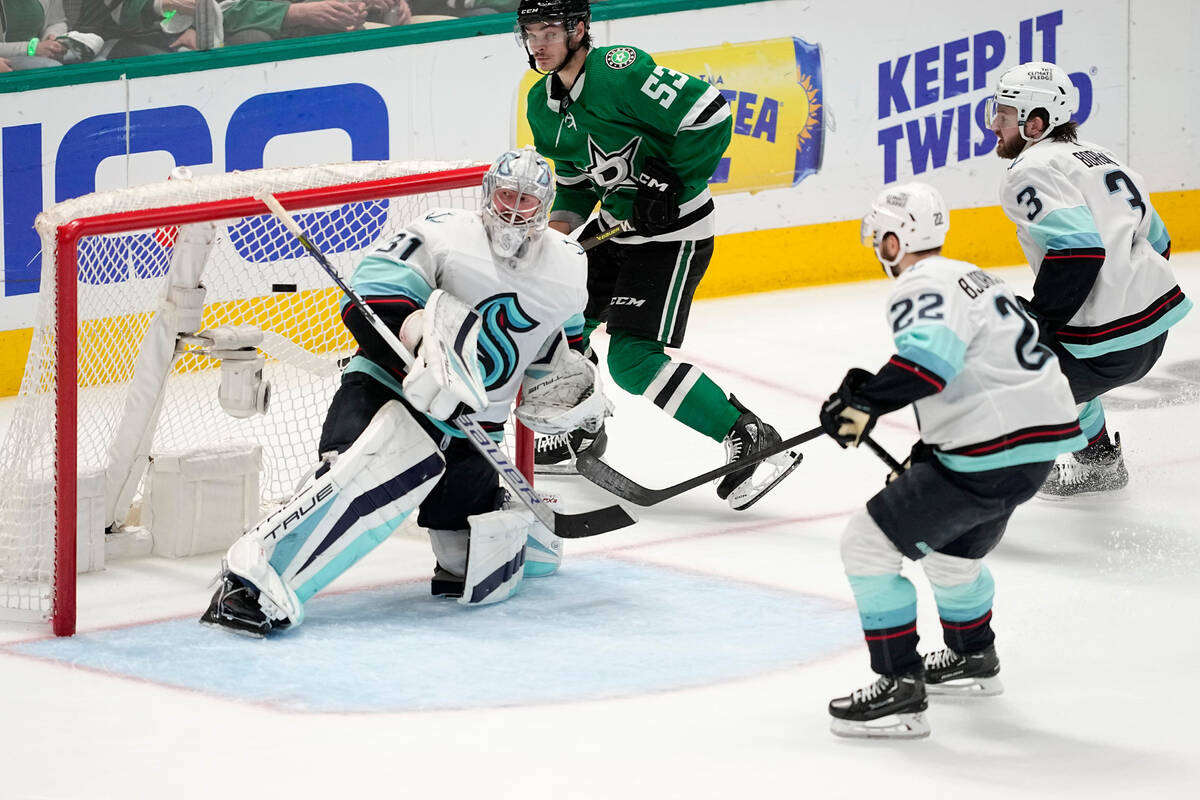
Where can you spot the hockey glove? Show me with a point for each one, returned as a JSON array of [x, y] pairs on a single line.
[[845, 417], [920, 452], [656, 205], [444, 379]]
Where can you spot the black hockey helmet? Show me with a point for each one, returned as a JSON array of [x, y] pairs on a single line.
[[569, 11]]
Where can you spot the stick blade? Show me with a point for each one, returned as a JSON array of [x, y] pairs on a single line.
[[613, 482], [592, 523]]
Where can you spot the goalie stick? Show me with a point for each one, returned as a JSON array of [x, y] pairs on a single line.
[[622, 486], [568, 526]]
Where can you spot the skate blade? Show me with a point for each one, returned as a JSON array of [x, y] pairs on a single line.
[[565, 468], [893, 726], [741, 499], [966, 687], [242, 632], [1098, 494]]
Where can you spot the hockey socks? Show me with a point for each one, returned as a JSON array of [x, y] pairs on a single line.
[[640, 366]]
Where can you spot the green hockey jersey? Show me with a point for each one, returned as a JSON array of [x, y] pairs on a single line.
[[623, 109]]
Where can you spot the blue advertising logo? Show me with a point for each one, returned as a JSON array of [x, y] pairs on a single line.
[[957, 68], [182, 131]]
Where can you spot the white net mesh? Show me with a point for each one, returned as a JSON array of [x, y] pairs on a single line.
[[255, 274]]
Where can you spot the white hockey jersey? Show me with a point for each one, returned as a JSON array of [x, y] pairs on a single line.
[[1005, 401], [522, 308], [1077, 200]]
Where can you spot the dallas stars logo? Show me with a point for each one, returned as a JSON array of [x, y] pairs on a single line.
[[612, 171], [620, 57]]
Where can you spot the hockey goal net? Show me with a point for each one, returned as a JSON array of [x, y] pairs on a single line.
[[159, 306]]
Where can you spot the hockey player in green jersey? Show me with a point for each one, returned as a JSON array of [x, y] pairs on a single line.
[[641, 141]]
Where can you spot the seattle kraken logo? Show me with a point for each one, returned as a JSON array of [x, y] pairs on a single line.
[[497, 351]]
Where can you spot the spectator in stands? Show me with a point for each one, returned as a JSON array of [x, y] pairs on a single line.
[[249, 21], [30, 31], [462, 8], [137, 27]]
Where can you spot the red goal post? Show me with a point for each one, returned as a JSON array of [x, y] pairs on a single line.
[[140, 288]]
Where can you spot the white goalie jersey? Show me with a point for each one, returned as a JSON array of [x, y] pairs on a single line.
[[1003, 399], [523, 309], [1076, 203]]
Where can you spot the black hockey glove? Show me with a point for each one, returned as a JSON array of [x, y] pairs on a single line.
[[845, 417], [656, 205], [920, 452]]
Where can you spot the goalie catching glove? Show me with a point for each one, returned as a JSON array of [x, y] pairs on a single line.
[[444, 380], [563, 395], [846, 417]]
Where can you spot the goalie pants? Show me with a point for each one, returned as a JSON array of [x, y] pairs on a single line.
[[468, 486], [947, 521]]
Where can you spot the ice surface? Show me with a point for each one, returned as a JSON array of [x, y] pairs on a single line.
[[691, 655]]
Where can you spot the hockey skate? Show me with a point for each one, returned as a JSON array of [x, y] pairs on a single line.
[[446, 584], [235, 607], [555, 454], [890, 708], [1096, 469], [963, 675], [750, 435]]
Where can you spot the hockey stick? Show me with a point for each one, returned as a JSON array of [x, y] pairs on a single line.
[[568, 526], [884, 455], [609, 479], [606, 234]]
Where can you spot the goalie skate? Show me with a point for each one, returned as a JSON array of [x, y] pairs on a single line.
[[967, 675], [555, 454], [236, 608], [890, 708]]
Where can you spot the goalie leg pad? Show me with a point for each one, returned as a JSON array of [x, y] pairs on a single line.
[[343, 513], [496, 558], [543, 552]]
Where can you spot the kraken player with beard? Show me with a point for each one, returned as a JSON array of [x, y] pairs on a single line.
[[1105, 294], [641, 141]]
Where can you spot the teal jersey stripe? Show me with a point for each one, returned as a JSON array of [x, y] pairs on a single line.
[[1023, 454], [380, 277], [1133, 339], [884, 601], [1066, 229], [937, 348], [967, 601], [1158, 232]]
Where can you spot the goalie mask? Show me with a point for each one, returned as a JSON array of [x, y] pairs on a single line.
[[915, 213], [1028, 87], [518, 191], [562, 16]]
